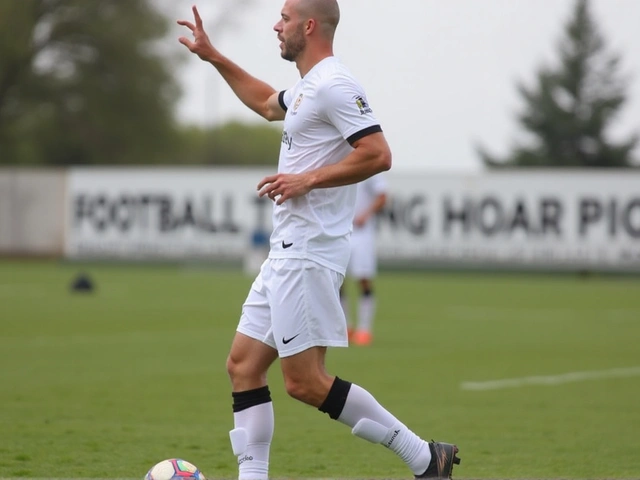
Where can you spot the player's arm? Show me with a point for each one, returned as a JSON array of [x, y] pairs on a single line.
[[343, 105], [370, 155], [378, 203], [254, 93]]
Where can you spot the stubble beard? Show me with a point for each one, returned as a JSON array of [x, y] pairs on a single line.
[[294, 46]]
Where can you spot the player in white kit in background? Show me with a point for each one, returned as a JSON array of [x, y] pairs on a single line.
[[331, 141], [371, 198]]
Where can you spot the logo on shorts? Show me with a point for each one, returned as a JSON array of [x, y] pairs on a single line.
[[287, 340], [286, 245]]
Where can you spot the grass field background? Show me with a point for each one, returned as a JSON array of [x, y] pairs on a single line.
[[104, 385]]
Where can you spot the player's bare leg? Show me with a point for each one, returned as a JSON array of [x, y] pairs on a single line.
[[247, 365], [363, 334], [307, 380], [344, 303]]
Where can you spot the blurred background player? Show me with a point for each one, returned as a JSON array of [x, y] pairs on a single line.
[[371, 198]]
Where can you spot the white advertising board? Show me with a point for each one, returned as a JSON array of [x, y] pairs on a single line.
[[546, 219], [535, 219], [163, 213]]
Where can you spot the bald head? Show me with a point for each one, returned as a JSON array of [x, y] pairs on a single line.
[[325, 12]]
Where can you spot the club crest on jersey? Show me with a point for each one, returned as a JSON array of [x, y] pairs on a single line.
[[362, 105], [297, 104]]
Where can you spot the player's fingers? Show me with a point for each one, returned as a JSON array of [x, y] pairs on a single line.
[[266, 190], [187, 24], [270, 191], [196, 15], [186, 42], [267, 180], [277, 190]]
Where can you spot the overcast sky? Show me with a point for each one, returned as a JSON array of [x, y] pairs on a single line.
[[440, 75]]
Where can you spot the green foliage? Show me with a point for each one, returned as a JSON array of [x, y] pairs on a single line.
[[104, 385], [567, 113], [233, 143], [80, 83]]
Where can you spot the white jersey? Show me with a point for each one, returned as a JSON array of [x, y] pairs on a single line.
[[327, 111], [363, 261], [367, 192]]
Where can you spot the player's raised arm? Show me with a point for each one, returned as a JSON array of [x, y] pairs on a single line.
[[254, 93]]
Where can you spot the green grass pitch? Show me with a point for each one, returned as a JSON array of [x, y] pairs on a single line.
[[104, 385]]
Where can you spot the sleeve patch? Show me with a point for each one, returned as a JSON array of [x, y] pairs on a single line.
[[362, 105], [281, 100]]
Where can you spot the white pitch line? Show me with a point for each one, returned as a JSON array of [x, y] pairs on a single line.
[[551, 379]]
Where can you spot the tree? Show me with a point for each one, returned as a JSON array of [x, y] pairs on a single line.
[[80, 83], [569, 111], [232, 143]]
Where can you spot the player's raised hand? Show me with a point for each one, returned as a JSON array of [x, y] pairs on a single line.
[[201, 45]]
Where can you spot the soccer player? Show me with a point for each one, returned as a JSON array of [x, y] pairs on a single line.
[[371, 197], [331, 141]]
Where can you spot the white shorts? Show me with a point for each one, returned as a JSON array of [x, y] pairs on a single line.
[[294, 305], [363, 262]]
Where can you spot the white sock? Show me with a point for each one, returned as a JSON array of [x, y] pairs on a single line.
[[407, 445], [366, 312], [258, 421]]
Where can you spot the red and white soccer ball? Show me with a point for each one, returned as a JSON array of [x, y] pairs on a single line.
[[174, 469]]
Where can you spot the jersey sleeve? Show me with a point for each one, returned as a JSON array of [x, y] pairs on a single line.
[[285, 97], [343, 103]]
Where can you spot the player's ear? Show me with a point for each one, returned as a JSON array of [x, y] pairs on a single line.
[[310, 26]]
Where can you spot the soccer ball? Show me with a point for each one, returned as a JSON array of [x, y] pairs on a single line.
[[174, 469]]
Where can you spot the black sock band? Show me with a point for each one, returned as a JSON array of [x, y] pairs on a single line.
[[337, 397], [367, 292], [250, 398]]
